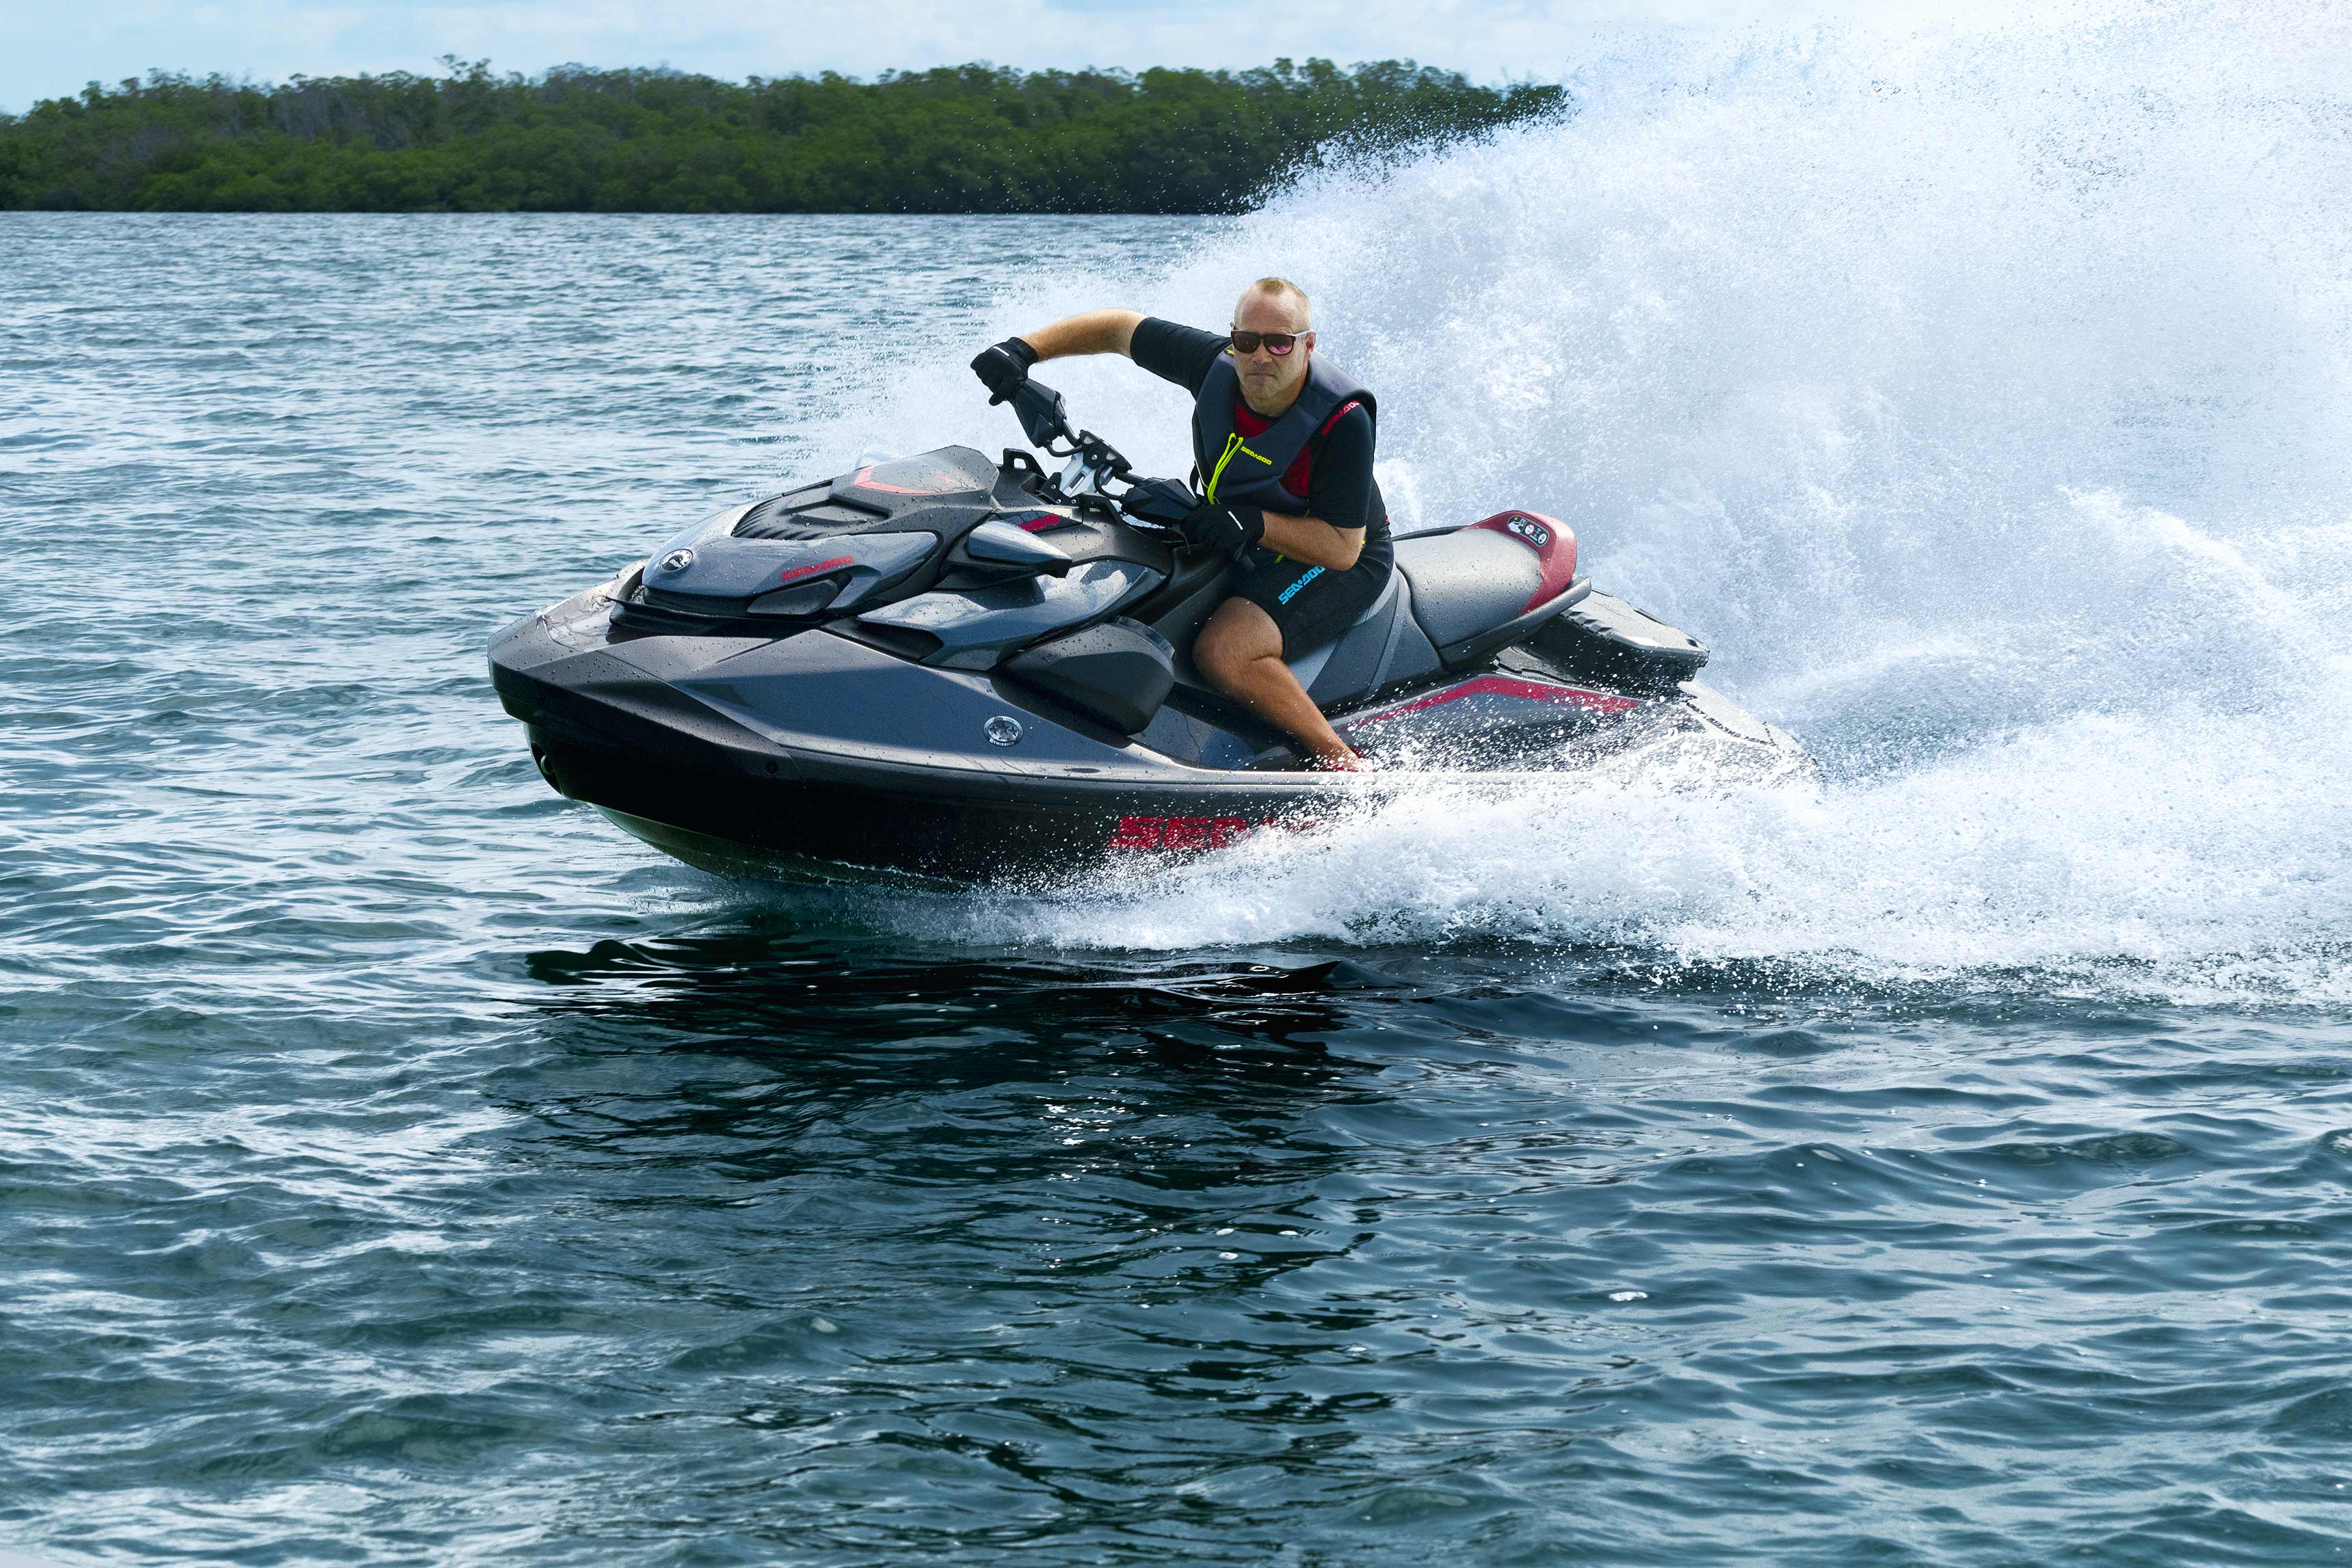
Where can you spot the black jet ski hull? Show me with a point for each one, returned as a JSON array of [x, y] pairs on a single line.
[[729, 795], [952, 830], [812, 757]]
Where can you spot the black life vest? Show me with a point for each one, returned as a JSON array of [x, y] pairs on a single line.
[[1247, 471]]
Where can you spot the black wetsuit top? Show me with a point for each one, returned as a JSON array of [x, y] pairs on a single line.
[[1309, 604]]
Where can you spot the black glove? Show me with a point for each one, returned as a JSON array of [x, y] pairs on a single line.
[[1232, 529], [1004, 368], [1163, 502]]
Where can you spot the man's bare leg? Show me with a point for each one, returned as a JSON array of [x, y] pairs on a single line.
[[1240, 650]]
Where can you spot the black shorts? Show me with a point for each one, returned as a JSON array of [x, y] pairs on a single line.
[[1311, 604]]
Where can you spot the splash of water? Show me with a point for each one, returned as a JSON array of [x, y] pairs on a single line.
[[1981, 398]]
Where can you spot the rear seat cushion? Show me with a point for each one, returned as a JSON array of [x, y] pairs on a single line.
[[1467, 582]]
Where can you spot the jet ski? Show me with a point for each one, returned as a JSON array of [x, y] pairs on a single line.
[[953, 668]]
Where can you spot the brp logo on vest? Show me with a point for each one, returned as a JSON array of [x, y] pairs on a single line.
[[1534, 532]]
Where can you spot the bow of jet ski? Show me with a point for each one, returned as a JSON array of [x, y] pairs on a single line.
[[950, 667]]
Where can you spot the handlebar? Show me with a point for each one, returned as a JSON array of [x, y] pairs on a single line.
[[1094, 462]]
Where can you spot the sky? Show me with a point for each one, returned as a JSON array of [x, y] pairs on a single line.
[[53, 51]]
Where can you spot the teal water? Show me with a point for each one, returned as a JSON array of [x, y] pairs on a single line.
[[403, 1166]]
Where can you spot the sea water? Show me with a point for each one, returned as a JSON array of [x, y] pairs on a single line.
[[1948, 1167]]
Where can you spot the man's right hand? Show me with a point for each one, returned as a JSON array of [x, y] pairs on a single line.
[[1004, 368]]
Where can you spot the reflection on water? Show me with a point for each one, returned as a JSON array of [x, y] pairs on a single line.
[[749, 1041]]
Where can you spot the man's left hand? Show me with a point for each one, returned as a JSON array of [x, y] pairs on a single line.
[[1162, 503], [1232, 529]]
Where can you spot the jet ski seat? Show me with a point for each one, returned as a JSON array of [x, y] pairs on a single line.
[[1384, 645], [1457, 595], [1455, 598], [1494, 582]]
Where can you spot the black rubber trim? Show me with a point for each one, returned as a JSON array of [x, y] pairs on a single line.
[[1475, 650]]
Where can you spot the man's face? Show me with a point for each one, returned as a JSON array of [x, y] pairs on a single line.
[[1270, 381]]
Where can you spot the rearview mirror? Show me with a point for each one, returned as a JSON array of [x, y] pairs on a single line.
[[1043, 417]]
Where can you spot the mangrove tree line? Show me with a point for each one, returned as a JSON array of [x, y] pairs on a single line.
[[971, 139]]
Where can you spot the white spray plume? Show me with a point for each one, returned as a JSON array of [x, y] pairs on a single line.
[[1982, 397]]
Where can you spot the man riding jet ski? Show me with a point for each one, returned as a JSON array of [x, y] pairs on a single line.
[[952, 667], [1282, 446]]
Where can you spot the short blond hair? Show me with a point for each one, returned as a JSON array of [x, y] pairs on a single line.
[[1279, 287]]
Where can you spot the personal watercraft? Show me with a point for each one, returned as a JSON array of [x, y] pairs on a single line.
[[950, 667]]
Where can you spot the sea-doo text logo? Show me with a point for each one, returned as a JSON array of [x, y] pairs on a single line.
[[1193, 833], [1534, 532], [678, 560]]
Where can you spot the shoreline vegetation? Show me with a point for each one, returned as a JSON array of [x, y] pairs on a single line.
[[968, 139]]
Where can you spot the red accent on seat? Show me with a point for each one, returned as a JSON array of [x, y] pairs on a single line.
[[1554, 543], [1504, 686], [1040, 522], [793, 574]]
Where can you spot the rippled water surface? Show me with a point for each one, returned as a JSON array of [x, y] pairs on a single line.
[[404, 1166]]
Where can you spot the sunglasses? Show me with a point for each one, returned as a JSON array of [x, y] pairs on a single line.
[[1276, 343]]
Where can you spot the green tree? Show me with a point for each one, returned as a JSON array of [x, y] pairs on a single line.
[[965, 139]]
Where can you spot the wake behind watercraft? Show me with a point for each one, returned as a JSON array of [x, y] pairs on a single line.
[[953, 668]]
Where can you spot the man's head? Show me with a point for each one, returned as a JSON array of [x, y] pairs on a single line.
[[1271, 381]]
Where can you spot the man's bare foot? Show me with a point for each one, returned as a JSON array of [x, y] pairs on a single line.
[[1346, 760]]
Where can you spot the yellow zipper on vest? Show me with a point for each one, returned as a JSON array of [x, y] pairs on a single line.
[[1232, 445]]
